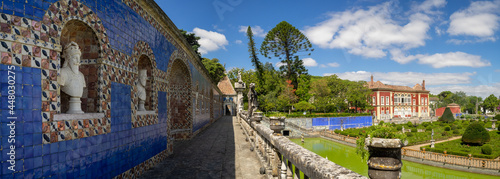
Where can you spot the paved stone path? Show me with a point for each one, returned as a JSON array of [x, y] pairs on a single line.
[[417, 147], [220, 151]]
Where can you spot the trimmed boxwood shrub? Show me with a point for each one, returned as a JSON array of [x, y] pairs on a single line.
[[456, 131], [459, 127], [399, 128], [444, 133], [486, 149], [428, 128], [447, 116], [497, 117], [447, 128], [453, 127], [475, 134], [413, 129]]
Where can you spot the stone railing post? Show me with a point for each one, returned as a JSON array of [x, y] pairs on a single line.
[[283, 170]]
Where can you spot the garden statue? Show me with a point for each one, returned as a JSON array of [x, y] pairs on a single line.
[[403, 129], [252, 100], [72, 81], [141, 88], [239, 76]]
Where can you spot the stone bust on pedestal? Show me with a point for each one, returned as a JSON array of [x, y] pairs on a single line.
[[72, 81], [141, 89]]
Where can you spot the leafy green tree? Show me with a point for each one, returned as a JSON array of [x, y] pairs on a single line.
[[192, 40], [253, 55], [304, 83], [287, 97], [447, 116], [472, 101], [490, 103], [358, 95], [304, 106], [287, 42], [215, 69]]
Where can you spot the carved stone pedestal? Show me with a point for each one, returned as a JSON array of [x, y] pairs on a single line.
[[432, 143], [141, 106], [385, 158], [75, 106]]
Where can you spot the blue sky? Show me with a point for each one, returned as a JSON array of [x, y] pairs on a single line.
[[453, 45]]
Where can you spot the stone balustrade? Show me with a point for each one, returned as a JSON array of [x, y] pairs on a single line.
[[453, 159], [279, 155], [480, 163]]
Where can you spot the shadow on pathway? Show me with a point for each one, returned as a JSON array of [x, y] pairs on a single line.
[[220, 151]]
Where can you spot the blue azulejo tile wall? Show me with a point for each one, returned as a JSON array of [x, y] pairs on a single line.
[[30, 32]]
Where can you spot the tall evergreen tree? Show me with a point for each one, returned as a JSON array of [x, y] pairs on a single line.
[[253, 55], [286, 42]]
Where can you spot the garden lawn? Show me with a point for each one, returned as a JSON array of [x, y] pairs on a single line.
[[455, 147]]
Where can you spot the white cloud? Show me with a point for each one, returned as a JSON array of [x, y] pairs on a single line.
[[238, 42], [480, 19], [479, 90], [440, 60], [309, 62], [371, 32], [256, 30], [334, 64], [408, 78], [210, 40]]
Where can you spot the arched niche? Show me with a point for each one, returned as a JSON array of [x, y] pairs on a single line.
[[79, 32], [179, 100], [145, 64]]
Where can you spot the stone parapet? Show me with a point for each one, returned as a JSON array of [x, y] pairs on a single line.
[[280, 154]]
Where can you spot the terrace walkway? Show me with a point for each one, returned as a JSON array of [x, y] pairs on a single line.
[[220, 151]]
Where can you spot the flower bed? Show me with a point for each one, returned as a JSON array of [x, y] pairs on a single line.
[[455, 147]]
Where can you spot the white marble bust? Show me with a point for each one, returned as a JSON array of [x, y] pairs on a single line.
[[72, 81], [141, 88]]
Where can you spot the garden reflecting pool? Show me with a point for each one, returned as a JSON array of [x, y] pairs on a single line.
[[346, 156]]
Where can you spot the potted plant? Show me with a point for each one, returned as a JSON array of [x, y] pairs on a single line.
[[382, 146]]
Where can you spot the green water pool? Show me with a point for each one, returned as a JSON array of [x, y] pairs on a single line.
[[346, 156]]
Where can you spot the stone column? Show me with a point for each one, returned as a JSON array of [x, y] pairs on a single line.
[[239, 87]]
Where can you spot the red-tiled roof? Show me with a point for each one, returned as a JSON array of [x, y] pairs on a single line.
[[378, 84], [226, 87]]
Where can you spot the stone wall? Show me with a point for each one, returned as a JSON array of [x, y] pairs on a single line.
[[112, 139]]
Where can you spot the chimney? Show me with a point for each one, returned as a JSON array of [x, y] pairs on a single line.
[[371, 84], [423, 84]]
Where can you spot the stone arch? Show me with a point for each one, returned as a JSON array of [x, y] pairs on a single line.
[[180, 118], [143, 58], [64, 11]]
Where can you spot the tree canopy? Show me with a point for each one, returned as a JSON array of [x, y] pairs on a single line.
[[192, 40], [490, 103], [286, 42], [215, 69]]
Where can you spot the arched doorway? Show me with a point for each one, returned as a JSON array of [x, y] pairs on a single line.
[[179, 101]]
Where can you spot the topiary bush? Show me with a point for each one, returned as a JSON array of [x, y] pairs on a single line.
[[459, 127], [409, 124], [486, 149], [447, 128], [475, 134], [413, 129], [444, 133], [428, 128], [453, 127], [447, 116], [399, 128], [497, 117], [456, 131]]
